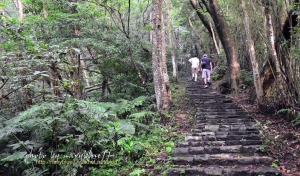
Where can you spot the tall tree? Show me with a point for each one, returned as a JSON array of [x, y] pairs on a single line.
[[19, 6], [278, 74], [227, 41], [172, 45], [254, 62], [160, 74]]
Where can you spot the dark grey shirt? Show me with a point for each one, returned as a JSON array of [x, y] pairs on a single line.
[[207, 62]]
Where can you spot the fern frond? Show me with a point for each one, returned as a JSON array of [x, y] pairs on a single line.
[[142, 114], [33, 172], [9, 130], [283, 111]]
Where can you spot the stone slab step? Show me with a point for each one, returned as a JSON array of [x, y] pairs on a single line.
[[224, 171], [222, 130], [216, 133], [223, 110], [222, 113], [199, 116], [223, 137], [233, 127], [222, 160], [218, 149], [219, 143], [223, 123], [223, 120]]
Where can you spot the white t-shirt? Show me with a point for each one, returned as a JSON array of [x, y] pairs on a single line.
[[195, 62]]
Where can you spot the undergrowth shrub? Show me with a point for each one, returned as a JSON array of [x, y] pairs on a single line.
[[66, 138], [247, 79], [291, 115]]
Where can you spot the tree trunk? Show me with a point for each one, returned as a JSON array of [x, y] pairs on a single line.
[[167, 95], [160, 75], [214, 39], [26, 90], [19, 6], [255, 68], [201, 16], [54, 78], [84, 71], [173, 57], [45, 12], [227, 41], [278, 77]]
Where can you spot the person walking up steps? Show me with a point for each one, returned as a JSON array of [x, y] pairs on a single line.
[[195, 67], [206, 68]]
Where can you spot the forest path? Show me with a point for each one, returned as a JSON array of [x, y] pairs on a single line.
[[224, 140]]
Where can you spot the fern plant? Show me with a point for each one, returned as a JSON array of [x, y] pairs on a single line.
[[296, 121], [67, 129]]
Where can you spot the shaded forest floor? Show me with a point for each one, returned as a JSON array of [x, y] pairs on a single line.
[[282, 139]]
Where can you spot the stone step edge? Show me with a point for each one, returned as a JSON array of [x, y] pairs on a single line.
[[207, 160], [219, 143], [216, 171], [222, 137], [219, 149]]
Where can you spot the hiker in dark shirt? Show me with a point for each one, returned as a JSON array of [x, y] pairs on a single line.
[[206, 68]]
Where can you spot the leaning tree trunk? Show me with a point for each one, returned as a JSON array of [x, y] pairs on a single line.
[[205, 22], [228, 43], [201, 16], [255, 68], [278, 74], [160, 75]]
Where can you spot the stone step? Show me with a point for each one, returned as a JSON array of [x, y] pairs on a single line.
[[220, 133], [223, 110], [222, 160], [224, 171], [222, 113], [217, 129], [223, 137], [224, 141], [223, 116], [219, 143], [222, 125], [219, 149], [224, 121], [207, 96]]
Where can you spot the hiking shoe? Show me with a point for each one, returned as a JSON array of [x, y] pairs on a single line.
[[209, 83], [205, 86]]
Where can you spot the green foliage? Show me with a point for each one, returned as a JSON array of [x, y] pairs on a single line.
[[275, 164], [220, 70], [76, 125], [247, 79], [291, 115], [137, 172], [283, 111], [296, 120]]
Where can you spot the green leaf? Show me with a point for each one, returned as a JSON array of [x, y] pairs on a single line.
[[15, 156], [15, 146], [168, 149], [170, 144], [137, 172], [125, 127]]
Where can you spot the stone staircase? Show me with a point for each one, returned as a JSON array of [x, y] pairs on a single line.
[[224, 140]]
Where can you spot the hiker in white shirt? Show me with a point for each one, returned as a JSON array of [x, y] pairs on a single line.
[[195, 67]]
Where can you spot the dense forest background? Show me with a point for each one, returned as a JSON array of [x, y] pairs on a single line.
[[84, 81]]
